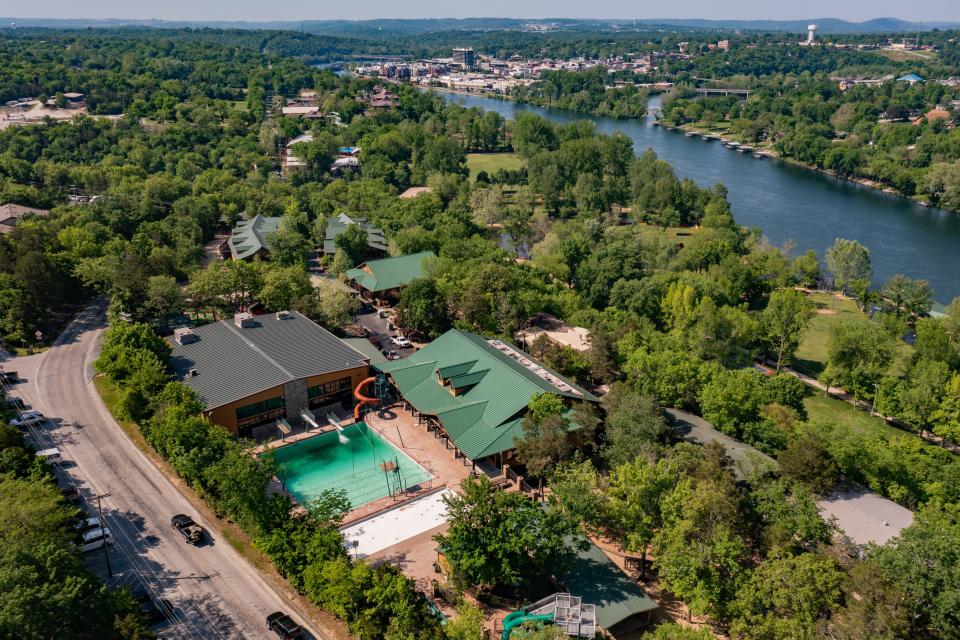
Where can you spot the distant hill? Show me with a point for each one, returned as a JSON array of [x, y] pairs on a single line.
[[417, 25], [824, 25]]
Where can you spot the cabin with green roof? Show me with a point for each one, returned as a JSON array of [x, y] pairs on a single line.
[[251, 238], [385, 277], [475, 390], [336, 225]]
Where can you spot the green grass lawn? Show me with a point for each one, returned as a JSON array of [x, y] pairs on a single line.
[[832, 310], [822, 408], [493, 162]]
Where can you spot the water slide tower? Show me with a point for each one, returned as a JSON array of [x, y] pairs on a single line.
[[811, 33]]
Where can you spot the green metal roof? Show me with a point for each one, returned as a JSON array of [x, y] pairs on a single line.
[[389, 273], [367, 348], [598, 581], [339, 223], [250, 236], [495, 383]]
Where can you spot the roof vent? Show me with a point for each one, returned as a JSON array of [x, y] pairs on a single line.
[[185, 335], [283, 315], [192, 373], [244, 319]]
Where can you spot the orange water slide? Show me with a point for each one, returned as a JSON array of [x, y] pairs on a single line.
[[362, 399]]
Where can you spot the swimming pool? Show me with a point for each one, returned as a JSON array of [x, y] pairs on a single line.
[[309, 467]]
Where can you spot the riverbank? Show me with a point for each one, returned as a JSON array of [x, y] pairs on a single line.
[[763, 150]]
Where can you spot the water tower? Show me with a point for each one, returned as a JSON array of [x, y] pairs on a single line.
[[811, 33]]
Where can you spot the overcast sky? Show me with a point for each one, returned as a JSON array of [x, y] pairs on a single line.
[[856, 10]]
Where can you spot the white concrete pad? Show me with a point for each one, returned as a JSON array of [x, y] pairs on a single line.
[[396, 525]]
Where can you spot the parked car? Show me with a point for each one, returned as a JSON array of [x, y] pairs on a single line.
[[72, 495], [284, 626], [86, 524], [27, 418], [50, 455], [190, 530], [9, 377], [16, 403], [400, 341], [95, 539]]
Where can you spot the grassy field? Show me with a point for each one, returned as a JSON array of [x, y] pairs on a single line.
[[679, 234], [833, 310], [909, 56], [492, 162], [821, 407]]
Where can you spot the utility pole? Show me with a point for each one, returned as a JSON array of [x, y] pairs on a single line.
[[106, 553]]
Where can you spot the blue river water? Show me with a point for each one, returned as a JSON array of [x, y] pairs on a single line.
[[792, 203]]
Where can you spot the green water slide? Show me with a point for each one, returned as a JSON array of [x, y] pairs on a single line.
[[516, 618]]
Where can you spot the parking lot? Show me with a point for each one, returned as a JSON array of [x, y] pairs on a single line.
[[381, 329]]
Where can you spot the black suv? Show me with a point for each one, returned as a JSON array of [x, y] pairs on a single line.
[[284, 626]]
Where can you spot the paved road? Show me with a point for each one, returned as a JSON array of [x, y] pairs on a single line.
[[216, 592]]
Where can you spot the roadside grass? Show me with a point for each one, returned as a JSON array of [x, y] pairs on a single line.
[[493, 162], [822, 408], [832, 310], [232, 533]]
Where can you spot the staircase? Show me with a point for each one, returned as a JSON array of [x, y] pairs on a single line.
[[569, 614]]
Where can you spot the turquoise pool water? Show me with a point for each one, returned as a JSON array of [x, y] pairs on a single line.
[[308, 467]]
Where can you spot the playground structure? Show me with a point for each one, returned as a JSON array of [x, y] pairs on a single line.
[[561, 609]]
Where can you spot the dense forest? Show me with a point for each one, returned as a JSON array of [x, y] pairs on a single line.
[[680, 300]]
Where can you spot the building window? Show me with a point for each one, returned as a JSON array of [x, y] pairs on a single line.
[[260, 412], [329, 392], [329, 388]]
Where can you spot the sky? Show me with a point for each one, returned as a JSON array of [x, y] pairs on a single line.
[[854, 10]]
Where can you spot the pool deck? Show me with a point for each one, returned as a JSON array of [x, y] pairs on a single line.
[[402, 431]]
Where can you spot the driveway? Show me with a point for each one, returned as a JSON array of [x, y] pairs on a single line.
[[216, 592], [379, 331]]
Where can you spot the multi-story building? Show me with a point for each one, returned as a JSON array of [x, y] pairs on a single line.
[[465, 57]]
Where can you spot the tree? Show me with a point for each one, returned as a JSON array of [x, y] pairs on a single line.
[[789, 515], [697, 551], [925, 565], [807, 461], [786, 597], [546, 429], [283, 286], [732, 399], [921, 396], [858, 354], [341, 262], [500, 538], [876, 607], [946, 417], [467, 625], [633, 504], [849, 261], [635, 423], [330, 304], [423, 308], [673, 631], [806, 269], [164, 297], [784, 321], [913, 297], [45, 590], [353, 242]]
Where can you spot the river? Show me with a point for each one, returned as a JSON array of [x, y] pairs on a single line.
[[792, 203]]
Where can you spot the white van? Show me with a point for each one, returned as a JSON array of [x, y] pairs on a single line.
[[95, 538]]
